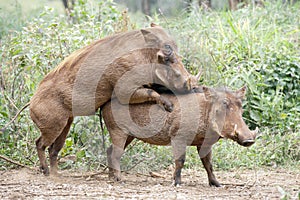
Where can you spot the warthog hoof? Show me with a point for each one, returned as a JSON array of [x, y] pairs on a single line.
[[44, 170], [177, 183], [114, 178], [214, 183]]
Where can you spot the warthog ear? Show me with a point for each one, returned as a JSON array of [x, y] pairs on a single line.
[[162, 75], [151, 39], [240, 93]]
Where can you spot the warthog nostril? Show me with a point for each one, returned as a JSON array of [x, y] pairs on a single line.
[[248, 143]]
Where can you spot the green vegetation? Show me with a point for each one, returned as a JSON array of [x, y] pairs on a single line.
[[258, 47]]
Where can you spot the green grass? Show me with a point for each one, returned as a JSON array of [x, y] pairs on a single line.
[[257, 47], [27, 6], [14, 14]]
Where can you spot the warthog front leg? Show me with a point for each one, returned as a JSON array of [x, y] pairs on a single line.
[[179, 148], [179, 163], [145, 95], [206, 161]]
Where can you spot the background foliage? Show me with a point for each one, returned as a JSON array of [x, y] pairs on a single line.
[[259, 47]]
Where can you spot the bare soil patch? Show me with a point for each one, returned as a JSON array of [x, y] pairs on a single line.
[[243, 184]]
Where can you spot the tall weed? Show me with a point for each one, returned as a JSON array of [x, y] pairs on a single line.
[[257, 47], [27, 55]]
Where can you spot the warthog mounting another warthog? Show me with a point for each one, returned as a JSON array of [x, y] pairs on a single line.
[[198, 119], [122, 66]]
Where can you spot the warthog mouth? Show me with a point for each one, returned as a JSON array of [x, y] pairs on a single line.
[[247, 142]]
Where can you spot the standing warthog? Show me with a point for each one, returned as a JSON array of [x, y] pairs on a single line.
[[198, 119], [117, 66]]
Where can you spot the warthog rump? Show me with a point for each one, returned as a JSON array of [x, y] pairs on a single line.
[[198, 119]]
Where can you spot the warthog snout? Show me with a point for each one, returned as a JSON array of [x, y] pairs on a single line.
[[186, 80], [249, 135], [181, 83], [247, 143], [190, 83]]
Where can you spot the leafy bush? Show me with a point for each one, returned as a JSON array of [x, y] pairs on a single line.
[[28, 55], [246, 47]]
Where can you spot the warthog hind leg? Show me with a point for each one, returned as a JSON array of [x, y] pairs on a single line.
[[57, 146], [51, 125], [114, 153], [40, 146]]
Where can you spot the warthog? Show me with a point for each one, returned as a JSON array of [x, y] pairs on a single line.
[[119, 66], [199, 119]]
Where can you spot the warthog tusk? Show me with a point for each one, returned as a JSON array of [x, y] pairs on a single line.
[[235, 127], [255, 131], [198, 75], [234, 131]]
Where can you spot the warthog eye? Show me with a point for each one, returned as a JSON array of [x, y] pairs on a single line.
[[168, 47], [168, 51]]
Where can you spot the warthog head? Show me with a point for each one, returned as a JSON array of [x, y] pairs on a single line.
[[227, 118], [169, 70]]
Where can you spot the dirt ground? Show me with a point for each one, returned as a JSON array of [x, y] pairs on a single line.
[[249, 184]]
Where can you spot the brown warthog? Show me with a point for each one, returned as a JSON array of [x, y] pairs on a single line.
[[198, 119], [117, 66]]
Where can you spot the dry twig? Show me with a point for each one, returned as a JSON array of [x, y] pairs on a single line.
[[15, 162], [15, 117]]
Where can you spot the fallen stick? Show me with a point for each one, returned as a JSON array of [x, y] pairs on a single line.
[[156, 175], [15, 162]]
